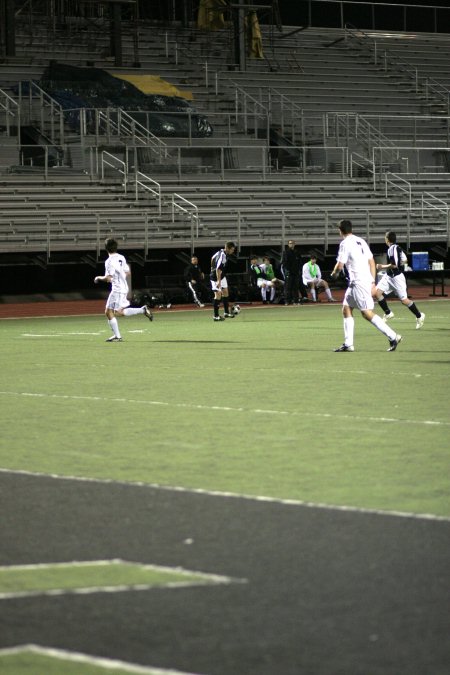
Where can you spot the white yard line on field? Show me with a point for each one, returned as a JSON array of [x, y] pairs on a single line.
[[231, 409], [230, 495]]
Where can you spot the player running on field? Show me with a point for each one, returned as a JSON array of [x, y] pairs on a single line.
[[117, 273], [357, 257], [394, 280]]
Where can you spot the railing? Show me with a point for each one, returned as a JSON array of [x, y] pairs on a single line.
[[107, 160], [10, 109], [184, 206], [434, 203], [405, 186], [257, 227], [38, 108], [147, 184], [415, 160], [423, 84], [415, 130], [363, 163]]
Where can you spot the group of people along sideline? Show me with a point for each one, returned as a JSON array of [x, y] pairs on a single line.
[[354, 256]]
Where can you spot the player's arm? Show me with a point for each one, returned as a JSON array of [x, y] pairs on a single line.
[[107, 279], [388, 266], [373, 269], [337, 269]]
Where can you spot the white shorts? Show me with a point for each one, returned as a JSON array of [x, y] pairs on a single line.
[[117, 301], [359, 297], [264, 282], [215, 285], [315, 281], [397, 284]]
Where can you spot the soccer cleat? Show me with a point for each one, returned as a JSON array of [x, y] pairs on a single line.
[[388, 316], [218, 318], [148, 312], [393, 344], [420, 321], [345, 348], [201, 305], [228, 316], [114, 338]]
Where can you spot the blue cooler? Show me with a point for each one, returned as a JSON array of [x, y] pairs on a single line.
[[419, 261]]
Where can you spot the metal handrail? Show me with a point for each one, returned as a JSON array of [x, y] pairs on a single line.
[[406, 189], [191, 212], [144, 182]]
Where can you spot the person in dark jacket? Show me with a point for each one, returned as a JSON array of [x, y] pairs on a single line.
[[194, 278], [290, 264]]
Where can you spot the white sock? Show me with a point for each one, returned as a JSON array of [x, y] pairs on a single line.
[[263, 293], [349, 329], [131, 311], [313, 294], [272, 292], [328, 293], [114, 326], [378, 322]]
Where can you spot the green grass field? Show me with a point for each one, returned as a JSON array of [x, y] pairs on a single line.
[[257, 405]]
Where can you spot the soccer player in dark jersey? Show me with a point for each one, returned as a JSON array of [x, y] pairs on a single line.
[[219, 282], [394, 280]]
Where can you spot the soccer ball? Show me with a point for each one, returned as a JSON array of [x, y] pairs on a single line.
[[236, 309]]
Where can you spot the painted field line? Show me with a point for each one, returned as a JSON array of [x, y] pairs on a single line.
[[230, 409], [231, 495], [200, 578], [87, 659], [49, 335]]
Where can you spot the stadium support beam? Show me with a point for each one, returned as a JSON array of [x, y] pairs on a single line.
[[239, 34], [8, 27]]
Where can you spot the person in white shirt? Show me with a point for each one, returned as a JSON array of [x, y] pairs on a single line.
[[117, 272], [312, 279], [355, 254]]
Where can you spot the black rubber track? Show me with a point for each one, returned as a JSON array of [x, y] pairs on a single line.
[[328, 593]]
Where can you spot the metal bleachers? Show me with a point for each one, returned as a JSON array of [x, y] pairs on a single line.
[[315, 99]]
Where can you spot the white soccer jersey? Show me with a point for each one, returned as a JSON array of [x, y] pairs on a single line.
[[307, 273], [117, 268], [355, 254]]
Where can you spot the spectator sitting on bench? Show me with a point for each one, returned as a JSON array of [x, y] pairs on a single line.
[[312, 279], [263, 276]]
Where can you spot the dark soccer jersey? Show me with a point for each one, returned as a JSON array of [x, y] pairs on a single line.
[[395, 257], [218, 262]]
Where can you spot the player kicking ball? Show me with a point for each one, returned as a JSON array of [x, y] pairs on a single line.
[[117, 273]]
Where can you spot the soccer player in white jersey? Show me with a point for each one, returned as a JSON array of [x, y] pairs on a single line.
[[394, 280], [117, 272], [357, 257]]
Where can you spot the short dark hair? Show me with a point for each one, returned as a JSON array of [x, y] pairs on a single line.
[[391, 236], [230, 244], [111, 245], [345, 226]]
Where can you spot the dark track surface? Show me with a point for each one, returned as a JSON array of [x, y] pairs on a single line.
[[328, 592]]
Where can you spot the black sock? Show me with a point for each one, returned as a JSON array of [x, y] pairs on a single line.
[[216, 307], [226, 306], [384, 306], [412, 308]]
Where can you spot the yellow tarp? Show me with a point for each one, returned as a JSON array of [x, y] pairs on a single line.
[[210, 14], [254, 37], [153, 84]]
